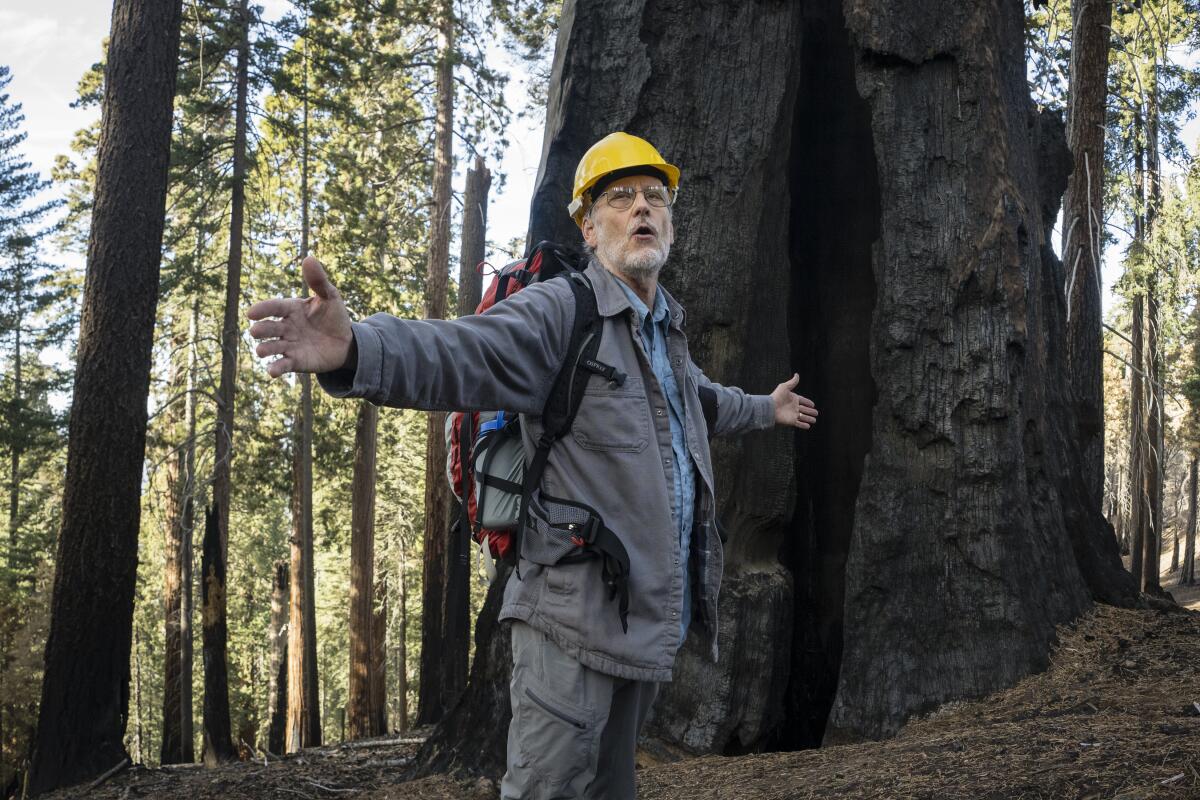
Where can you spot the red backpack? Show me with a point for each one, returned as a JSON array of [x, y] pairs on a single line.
[[482, 430]]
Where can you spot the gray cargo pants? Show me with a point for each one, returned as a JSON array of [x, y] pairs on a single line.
[[574, 730]]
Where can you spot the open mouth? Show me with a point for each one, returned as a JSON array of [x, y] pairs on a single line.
[[643, 231]]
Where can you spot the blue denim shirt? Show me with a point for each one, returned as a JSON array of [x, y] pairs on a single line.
[[654, 337]]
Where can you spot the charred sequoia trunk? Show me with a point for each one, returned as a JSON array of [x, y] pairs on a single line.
[[85, 689], [472, 735], [868, 204], [362, 574], [1083, 227]]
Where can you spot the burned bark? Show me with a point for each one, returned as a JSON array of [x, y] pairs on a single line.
[[867, 199], [85, 689]]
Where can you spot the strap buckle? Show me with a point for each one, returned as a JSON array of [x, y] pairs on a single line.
[[585, 534]]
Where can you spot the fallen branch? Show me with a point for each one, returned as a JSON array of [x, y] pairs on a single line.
[[329, 788], [125, 762], [381, 743]]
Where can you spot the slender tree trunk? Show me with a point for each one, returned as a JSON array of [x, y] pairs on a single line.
[[85, 688], [1188, 574], [378, 711], [457, 642], [277, 693], [402, 642], [218, 739], [16, 448], [218, 742], [438, 685], [1155, 427], [1139, 507], [362, 573], [1083, 226], [474, 237], [172, 718]]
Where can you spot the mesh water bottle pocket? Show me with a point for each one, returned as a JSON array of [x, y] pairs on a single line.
[[552, 531]]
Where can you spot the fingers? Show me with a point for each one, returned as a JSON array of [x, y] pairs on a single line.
[[317, 280], [791, 383], [280, 367], [270, 329], [275, 307], [272, 347]]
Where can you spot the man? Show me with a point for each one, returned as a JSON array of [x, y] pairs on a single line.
[[636, 462]]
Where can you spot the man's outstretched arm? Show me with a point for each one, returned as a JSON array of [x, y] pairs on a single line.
[[738, 412], [506, 358]]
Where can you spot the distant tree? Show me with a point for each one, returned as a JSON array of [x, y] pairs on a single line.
[[85, 691], [34, 317]]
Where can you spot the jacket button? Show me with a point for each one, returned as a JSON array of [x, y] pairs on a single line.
[[667, 461], [659, 412]]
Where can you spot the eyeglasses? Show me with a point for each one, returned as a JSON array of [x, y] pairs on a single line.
[[621, 197]]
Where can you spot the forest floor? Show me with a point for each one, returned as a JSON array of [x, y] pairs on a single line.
[[1116, 715]]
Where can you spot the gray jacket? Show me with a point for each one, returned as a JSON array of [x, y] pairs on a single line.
[[617, 458]]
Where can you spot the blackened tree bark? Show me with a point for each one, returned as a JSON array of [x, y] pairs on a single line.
[[277, 681], [85, 690], [1083, 226], [362, 573], [438, 687], [868, 195]]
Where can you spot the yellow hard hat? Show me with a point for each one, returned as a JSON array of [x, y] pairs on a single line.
[[616, 153]]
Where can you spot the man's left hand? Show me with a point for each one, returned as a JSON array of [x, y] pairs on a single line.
[[790, 408]]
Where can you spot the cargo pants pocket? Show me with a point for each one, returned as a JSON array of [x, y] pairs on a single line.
[[558, 741]]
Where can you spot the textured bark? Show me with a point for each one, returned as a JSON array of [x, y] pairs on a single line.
[[1187, 575], [218, 740], [85, 689], [188, 526], [171, 748], [362, 574], [1138, 513], [471, 737], [1083, 227], [277, 693], [870, 208], [474, 237], [439, 685], [1155, 427], [377, 715], [402, 645], [303, 711]]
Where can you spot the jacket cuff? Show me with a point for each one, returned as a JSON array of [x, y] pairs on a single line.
[[764, 411], [366, 379]]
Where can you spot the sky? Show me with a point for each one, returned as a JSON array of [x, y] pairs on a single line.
[[49, 43]]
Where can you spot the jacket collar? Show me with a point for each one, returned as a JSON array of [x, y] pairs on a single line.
[[611, 299]]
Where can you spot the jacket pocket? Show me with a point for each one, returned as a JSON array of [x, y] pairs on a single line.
[[613, 418]]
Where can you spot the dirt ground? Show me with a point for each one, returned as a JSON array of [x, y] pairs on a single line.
[[1117, 715]]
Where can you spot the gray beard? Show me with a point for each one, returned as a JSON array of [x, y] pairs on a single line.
[[640, 268]]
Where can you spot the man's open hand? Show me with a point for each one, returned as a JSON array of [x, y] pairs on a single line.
[[310, 334], [790, 408]]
